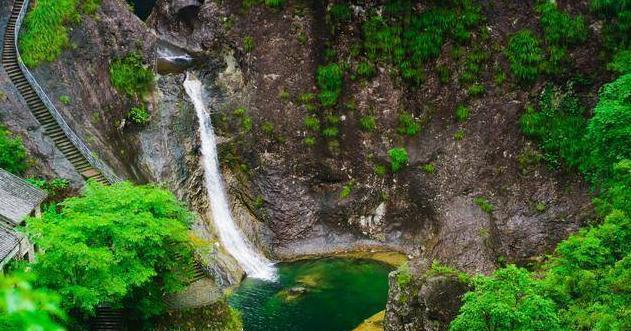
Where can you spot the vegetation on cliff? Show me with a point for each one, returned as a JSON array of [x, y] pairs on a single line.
[[584, 285], [13, 156], [46, 28]]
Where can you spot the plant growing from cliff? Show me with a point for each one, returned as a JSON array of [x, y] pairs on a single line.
[[462, 113], [114, 244], [403, 275], [346, 191], [398, 158], [248, 44], [525, 56], [46, 28], [484, 204], [408, 125], [13, 156], [329, 79], [131, 76], [459, 135], [368, 123], [139, 115], [429, 168], [64, 99], [380, 170]]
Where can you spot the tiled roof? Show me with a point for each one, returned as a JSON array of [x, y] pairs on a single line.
[[18, 198], [9, 240]]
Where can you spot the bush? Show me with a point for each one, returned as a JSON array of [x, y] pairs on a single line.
[[559, 126], [131, 76], [13, 156], [248, 44], [45, 33], [368, 123], [462, 113], [340, 13], [559, 28], [139, 115], [398, 158], [484, 204], [408, 125], [476, 90], [365, 69], [64, 99], [525, 56], [621, 62], [330, 80], [274, 3], [380, 170], [312, 123]]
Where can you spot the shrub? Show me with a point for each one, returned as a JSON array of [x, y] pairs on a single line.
[[368, 123], [365, 69], [312, 123], [274, 3], [408, 125], [340, 13], [329, 79], [525, 56], [484, 204], [45, 32], [462, 113], [13, 156], [559, 126], [380, 170], [398, 158], [248, 44], [621, 62], [139, 115], [64, 99], [559, 28], [476, 90], [131, 76]]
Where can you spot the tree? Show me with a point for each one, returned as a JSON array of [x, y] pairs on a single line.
[[121, 245], [24, 308], [13, 157], [508, 300]]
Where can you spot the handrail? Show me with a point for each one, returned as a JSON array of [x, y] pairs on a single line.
[[74, 139]]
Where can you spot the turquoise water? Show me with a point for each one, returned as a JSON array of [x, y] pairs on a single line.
[[330, 294]]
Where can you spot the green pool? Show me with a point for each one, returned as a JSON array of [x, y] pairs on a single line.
[[330, 294]]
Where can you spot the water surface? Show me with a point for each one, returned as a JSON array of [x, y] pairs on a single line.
[[331, 294]]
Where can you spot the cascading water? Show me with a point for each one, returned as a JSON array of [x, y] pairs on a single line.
[[254, 264]]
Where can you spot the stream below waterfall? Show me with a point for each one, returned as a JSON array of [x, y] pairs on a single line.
[[328, 294]]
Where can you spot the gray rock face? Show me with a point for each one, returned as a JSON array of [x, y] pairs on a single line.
[[178, 6], [427, 302]]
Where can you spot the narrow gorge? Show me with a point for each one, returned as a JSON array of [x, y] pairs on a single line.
[[305, 165]]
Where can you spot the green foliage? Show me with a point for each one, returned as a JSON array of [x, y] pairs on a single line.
[[13, 156], [55, 187], [64, 99], [429, 168], [330, 80], [408, 125], [380, 170], [559, 126], [274, 3], [438, 268], [621, 62], [525, 56], [309, 141], [312, 123], [248, 44], [476, 90], [609, 131], [114, 244], [330, 132], [368, 123], [508, 300], [365, 69], [617, 30], [459, 135], [398, 158], [340, 13], [139, 115], [484, 204], [46, 28], [403, 275], [131, 76], [462, 113], [23, 307], [346, 191], [408, 40], [268, 128], [559, 28]]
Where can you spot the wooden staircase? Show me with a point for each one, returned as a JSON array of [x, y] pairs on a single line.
[[107, 319], [37, 106]]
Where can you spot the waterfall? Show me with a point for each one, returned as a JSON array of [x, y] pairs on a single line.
[[254, 264], [170, 55]]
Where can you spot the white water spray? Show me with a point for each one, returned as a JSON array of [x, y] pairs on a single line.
[[169, 55], [254, 264]]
